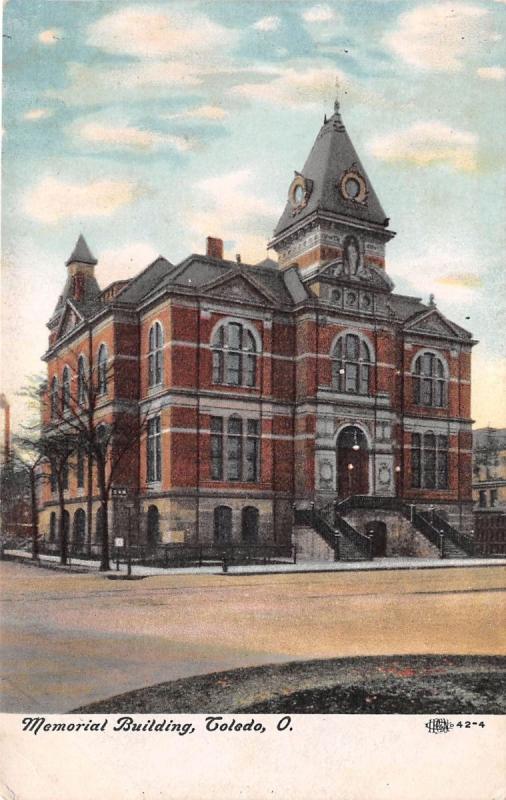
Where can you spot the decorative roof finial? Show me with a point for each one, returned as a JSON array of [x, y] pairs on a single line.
[[336, 101], [432, 301]]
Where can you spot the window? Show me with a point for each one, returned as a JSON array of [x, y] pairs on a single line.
[[351, 362], [155, 356], [235, 449], [493, 498], [483, 498], [153, 531], [429, 461], [65, 475], [80, 467], [54, 397], [102, 369], [249, 525], [65, 388], [154, 450], [234, 355], [222, 525], [81, 381], [429, 382], [216, 448]]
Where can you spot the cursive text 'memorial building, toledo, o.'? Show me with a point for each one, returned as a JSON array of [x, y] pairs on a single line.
[[271, 386]]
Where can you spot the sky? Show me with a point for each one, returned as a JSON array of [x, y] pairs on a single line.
[[149, 126]]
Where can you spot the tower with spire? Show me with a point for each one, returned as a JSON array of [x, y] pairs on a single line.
[[331, 199]]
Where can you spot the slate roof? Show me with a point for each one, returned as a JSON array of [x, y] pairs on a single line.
[[331, 156], [81, 253], [146, 281], [197, 271]]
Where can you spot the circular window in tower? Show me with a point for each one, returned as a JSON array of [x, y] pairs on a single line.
[[353, 186]]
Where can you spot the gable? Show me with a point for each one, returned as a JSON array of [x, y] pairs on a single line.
[[433, 323], [238, 288], [69, 319]]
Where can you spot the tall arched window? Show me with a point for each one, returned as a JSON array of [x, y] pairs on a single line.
[[222, 518], [65, 398], [99, 525], [249, 525], [79, 531], [429, 461], [153, 532], [54, 397], [234, 355], [155, 357], [351, 364], [81, 381], [429, 381], [102, 369]]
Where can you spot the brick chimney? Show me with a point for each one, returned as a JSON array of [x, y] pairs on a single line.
[[214, 248]]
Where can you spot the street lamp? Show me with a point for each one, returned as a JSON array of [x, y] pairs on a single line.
[[355, 445], [397, 477]]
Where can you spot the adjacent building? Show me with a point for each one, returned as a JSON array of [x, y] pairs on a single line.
[[269, 385]]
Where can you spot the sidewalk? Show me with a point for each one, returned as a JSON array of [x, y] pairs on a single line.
[[260, 569]]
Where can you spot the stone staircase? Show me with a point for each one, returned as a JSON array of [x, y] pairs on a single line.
[[339, 531]]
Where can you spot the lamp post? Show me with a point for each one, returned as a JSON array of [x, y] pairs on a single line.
[[397, 481], [350, 478]]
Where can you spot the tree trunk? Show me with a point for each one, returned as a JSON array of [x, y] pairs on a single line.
[[34, 515], [105, 565], [62, 530], [89, 505]]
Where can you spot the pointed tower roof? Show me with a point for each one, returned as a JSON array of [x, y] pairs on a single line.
[[333, 158], [81, 253]]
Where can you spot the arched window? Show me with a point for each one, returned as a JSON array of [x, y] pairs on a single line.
[[79, 531], [222, 525], [351, 364], [429, 381], [429, 461], [102, 369], [249, 525], [54, 397], [65, 388], [153, 533], [234, 355], [155, 357], [52, 527], [81, 381]]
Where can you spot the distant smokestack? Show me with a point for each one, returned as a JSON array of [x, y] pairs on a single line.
[[238, 258], [4, 405], [214, 248]]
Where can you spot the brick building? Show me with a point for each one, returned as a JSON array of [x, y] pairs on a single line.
[[270, 385]]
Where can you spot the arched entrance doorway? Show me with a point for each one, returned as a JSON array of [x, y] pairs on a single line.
[[249, 526], [153, 526], [79, 530], [378, 530], [352, 462]]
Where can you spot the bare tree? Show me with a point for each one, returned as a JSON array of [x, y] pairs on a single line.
[[79, 408]]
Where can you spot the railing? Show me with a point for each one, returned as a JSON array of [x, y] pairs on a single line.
[[363, 543], [430, 523], [314, 519], [462, 540], [179, 555]]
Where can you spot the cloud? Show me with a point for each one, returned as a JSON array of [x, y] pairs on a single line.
[[235, 212], [294, 88], [462, 280], [206, 113], [267, 24], [427, 143], [51, 36], [127, 136], [37, 113], [101, 84], [52, 199], [491, 73], [124, 262], [440, 35], [155, 32], [319, 14]]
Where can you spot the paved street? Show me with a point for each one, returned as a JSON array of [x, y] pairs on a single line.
[[70, 639]]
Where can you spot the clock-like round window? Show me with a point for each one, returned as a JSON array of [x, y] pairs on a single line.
[[352, 188], [298, 194]]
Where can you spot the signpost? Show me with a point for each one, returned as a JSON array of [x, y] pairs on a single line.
[[121, 493]]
